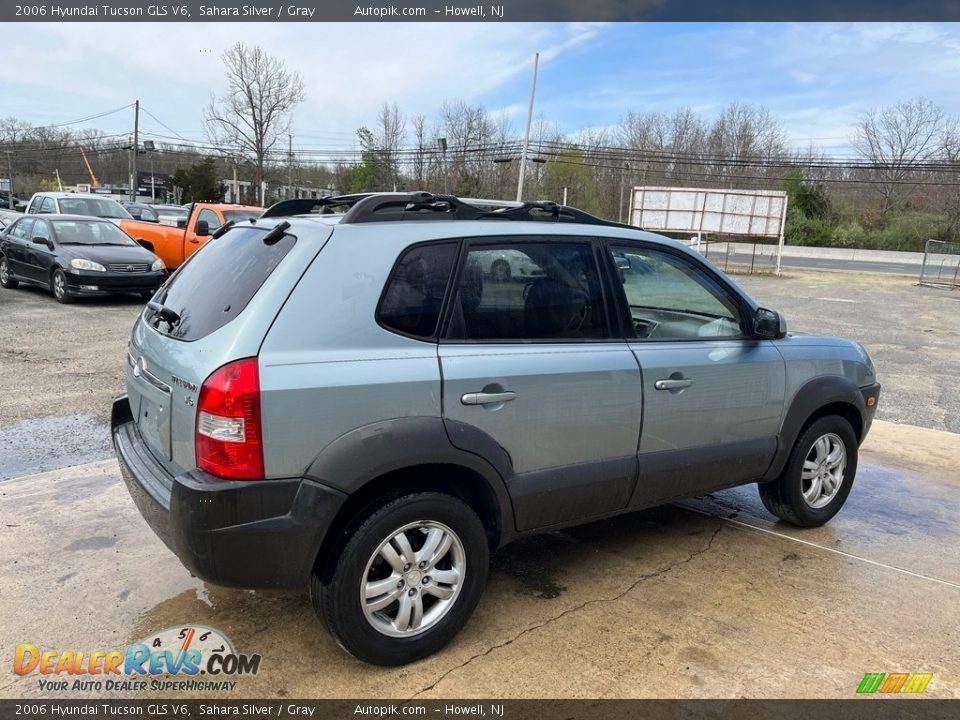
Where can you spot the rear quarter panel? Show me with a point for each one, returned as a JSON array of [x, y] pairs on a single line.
[[327, 368]]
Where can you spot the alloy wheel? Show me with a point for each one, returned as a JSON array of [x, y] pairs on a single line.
[[823, 469], [413, 579]]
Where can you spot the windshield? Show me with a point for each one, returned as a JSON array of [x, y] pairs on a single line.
[[241, 215], [94, 207], [89, 232]]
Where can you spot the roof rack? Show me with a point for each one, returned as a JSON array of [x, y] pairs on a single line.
[[305, 206], [387, 207]]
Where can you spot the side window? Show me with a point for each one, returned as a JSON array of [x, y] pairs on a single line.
[[47, 206], [34, 206], [21, 229], [529, 291], [148, 215], [670, 298], [414, 292], [211, 217]]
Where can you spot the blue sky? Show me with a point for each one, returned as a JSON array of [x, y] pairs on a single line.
[[818, 78]]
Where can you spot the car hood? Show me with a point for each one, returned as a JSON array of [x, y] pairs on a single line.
[[105, 254]]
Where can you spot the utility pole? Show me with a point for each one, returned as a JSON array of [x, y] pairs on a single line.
[[289, 163], [10, 185], [526, 137], [136, 149]]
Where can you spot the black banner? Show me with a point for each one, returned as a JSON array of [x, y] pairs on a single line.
[[162, 709], [497, 11]]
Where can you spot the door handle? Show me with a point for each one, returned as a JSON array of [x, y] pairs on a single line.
[[482, 398], [673, 384]]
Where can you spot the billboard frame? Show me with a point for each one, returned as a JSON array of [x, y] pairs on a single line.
[[698, 210]]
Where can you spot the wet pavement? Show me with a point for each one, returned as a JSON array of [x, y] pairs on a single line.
[[706, 598], [34, 445]]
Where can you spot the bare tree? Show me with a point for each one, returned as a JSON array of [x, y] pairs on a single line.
[[390, 133], [254, 113], [897, 139]]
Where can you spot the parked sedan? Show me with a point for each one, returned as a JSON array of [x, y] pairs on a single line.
[[75, 255]]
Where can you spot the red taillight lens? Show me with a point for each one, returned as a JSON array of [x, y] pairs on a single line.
[[229, 433]]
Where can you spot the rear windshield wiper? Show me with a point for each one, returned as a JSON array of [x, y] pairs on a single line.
[[166, 314]]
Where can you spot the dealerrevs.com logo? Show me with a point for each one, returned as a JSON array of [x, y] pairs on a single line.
[[172, 660]]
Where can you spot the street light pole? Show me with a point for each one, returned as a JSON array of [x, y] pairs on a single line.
[[136, 149], [526, 136]]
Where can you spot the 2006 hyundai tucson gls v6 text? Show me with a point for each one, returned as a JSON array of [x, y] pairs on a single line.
[[354, 403]]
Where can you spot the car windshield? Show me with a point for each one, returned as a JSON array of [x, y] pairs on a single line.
[[94, 207], [90, 232], [241, 215]]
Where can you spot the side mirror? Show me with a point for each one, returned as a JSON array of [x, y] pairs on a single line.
[[769, 324], [203, 228], [37, 240]]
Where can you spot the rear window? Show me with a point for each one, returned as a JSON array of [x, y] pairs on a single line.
[[218, 281]]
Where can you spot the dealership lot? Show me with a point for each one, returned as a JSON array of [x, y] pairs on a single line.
[[705, 598]]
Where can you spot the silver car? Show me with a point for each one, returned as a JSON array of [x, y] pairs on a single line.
[[354, 405]]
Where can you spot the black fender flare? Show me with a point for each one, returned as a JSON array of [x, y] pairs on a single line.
[[368, 452], [809, 398]]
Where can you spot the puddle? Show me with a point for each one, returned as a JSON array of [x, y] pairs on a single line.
[[40, 444]]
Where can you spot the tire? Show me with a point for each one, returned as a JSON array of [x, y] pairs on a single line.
[[500, 270], [828, 448], [5, 279], [59, 287], [378, 635]]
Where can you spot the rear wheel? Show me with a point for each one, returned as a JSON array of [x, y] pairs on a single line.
[[5, 279], [407, 581], [818, 475], [58, 284]]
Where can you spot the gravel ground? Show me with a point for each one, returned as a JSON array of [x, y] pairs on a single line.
[[60, 365]]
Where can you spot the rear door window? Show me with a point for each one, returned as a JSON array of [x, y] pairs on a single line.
[[218, 281]]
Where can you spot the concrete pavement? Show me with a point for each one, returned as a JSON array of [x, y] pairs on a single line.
[[707, 598]]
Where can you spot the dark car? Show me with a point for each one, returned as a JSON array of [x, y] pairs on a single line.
[[142, 212], [75, 255]]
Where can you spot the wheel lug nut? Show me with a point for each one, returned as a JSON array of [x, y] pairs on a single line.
[[426, 580], [423, 564], [400, 583], [413, 591]]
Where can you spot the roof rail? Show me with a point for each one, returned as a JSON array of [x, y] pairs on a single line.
[[305, 206], [386, 207]]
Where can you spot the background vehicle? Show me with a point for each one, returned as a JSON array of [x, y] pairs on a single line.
[[175, 245], [18, 204], [172, 215], [61, 203], [379, 450], [142, 212], [75, 255], [8, 216]]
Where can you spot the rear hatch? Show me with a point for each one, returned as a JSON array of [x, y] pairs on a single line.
[[214, 309]]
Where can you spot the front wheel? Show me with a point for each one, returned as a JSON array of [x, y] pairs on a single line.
[[407, 581], [818, 475], [58, 283], [5, 279]]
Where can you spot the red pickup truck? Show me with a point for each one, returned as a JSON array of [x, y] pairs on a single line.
[[175, 245]]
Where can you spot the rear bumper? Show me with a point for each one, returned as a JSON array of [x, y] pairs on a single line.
[[871, 398], [257, 534]]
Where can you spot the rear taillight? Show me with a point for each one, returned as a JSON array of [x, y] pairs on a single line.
[[229, 432]]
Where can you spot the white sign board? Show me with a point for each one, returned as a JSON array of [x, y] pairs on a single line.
[[742, 213], [5, 184]]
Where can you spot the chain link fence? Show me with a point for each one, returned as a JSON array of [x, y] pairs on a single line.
[[941, 264]]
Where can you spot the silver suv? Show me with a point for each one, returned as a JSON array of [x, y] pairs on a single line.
[[357, 403]]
